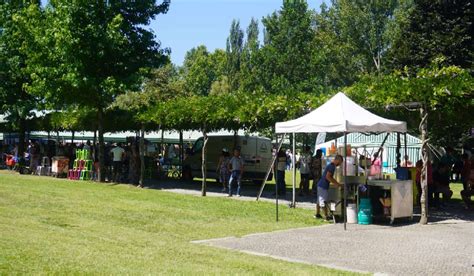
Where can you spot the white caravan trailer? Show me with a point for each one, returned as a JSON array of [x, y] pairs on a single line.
[[255, 151]]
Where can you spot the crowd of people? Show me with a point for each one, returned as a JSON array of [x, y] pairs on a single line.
[[449, 168], [122, 160], [122, 165], [440, 175]]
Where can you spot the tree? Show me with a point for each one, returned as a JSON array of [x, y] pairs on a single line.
[[15, 101], [234, 48], [284, 66], [201, 69], [430, 29], [250, 59], [160, 86], [96, 51], [352, 38]]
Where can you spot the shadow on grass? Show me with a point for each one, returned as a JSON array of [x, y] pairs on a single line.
[[454, 209], [248, 189]]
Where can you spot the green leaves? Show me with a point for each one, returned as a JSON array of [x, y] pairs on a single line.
[[447, 91]]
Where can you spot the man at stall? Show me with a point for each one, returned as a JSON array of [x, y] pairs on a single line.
[[323, 186]]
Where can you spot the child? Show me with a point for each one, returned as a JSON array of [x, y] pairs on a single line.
[[236, 167]]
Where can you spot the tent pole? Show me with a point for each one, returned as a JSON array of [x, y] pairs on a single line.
[[293, 201], [271, 166], [345, 180], [406, 150], [397, 154], [276, 181]]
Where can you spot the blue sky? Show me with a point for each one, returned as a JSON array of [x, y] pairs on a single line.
[[190, 23]]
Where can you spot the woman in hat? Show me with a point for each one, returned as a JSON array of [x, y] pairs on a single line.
[[222, 168]]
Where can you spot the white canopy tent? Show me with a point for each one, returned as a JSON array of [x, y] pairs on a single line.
[[338, 115]]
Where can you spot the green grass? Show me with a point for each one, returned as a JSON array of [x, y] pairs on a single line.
[[52, 226], [456, 188]]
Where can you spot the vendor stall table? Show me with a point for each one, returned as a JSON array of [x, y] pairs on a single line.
[[401, 195], [60, 166]]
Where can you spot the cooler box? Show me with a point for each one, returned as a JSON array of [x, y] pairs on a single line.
[[60, 166]]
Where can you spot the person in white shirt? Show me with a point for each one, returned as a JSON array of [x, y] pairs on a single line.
[[118, 154], [236, 166]]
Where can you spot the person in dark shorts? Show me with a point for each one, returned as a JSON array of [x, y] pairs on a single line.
[[323, 186]]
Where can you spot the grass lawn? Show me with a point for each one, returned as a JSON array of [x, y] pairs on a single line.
[[52, 226]]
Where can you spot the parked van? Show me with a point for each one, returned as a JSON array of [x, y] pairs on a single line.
[[255, 151]]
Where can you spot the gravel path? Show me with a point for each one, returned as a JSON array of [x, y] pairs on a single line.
[[443, 248]]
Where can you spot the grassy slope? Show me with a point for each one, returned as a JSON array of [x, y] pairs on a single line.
[[58, 226]]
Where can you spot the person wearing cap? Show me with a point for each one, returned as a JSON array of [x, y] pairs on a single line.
[[323, 186], [222, 168]]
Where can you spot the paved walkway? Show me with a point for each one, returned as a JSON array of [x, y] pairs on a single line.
[[442, 248]]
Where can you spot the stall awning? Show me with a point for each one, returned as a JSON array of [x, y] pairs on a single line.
[[340, 114]]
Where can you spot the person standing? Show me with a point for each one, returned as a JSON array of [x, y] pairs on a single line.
[[441, 181], [304, 162], [323, 186], [118, 154], [316, 169], [289, 159], [376, 167], [448, 160], [466, 170], [280, 175], [236, 167], [87, 147], [468, 191], [222, 168]]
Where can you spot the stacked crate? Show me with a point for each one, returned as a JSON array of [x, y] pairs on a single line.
[[82, 168]]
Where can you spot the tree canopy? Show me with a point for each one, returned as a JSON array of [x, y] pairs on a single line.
[[94, 65]]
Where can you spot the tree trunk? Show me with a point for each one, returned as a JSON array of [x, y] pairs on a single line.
[[203, 166], [72, 136], [57, 142], [236, 132], [94, 144], [100, 124], [142, 156], [21, 137], [424, 171]]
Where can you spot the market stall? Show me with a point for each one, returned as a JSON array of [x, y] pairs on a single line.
[[341, 115]]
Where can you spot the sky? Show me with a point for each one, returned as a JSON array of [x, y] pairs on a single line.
[[190, 23]]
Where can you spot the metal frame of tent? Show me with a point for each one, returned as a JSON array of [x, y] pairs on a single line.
[[321, 120]]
